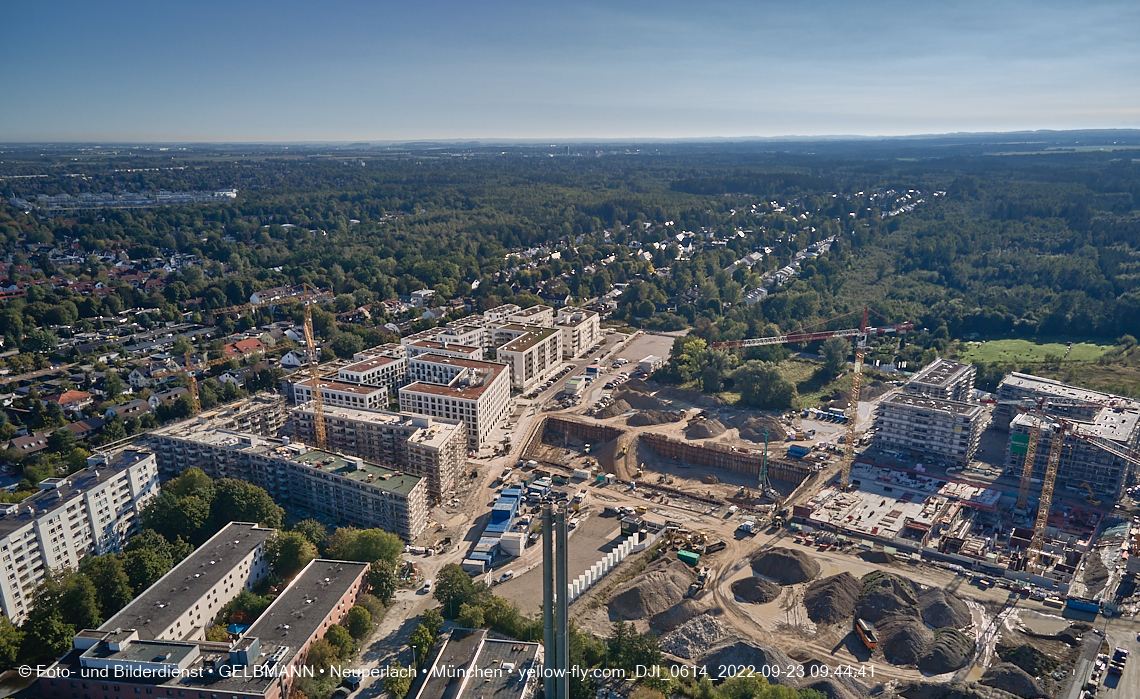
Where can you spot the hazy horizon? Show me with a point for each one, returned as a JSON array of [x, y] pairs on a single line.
[[288, 72]]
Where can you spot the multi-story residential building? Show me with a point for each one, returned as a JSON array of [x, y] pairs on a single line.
[[445, 349], [581, 330], [434, 449], [1054, 397], [930, 428], [344, 395], [944, 379], [478, 393], [500, 314], [542, 316], [534, 354], [92, 511], [131, 657], [262, 414], [1090, 448], [389, 372], [331, 486]]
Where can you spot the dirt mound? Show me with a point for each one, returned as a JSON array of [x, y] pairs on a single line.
[[1014, 680], [785, 566], [833, 599], [637, 394], [671, 618], [705, 429], [753, 428], [1095, 574], [638, 385], [757, 590], [905, 640], [645, 418], [692, 397], [884, 595], [1028, 658], [693, 638], [879, 557], [618, 407], [948, 690], [740, 653], [950, 651], [662, 585], [838, 687], [1072, 635], [942, 609]]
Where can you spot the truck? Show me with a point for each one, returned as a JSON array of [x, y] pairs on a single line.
[[746, 527], [866, 631]]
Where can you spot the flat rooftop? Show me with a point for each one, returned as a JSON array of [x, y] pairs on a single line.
[[936, 404], [576, 318], [450, 347], [370, 364], [342, 387], [940, 373], [359, 470], [528, 340], [1116, 424], [532, 311], [1027, 383], [479, 667], [418, 428], [47, 501], [163, 602]]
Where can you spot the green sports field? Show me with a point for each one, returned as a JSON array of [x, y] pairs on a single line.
[[1027, 351]]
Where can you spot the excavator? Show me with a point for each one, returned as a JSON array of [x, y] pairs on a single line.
[[1091, 499]]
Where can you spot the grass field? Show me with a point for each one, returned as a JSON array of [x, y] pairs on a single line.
[[1026, 351]]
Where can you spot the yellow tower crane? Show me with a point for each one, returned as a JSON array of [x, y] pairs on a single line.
[[318, 400]]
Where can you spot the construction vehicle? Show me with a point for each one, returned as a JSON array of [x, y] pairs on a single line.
[[866, 631], [1091, 499], [704, 577], [860, 335]]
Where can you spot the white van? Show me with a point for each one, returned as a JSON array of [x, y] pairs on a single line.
[[427, 587], [506, 576]]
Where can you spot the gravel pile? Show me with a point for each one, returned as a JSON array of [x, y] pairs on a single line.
[[664, 622], [741, 653], [945, 690], [637, 394], [753, 428], [645, 418], [785, 566], [1014, 680], [618, 407], [942, 609], [905, 640], [885, 595], [705, 429], [950, 651], [1028, 658], [662, 585], [756, 590], [833, 599], [838, 687], [694, 637]]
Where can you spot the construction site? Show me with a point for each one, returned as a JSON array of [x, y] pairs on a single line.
[[774, 541]]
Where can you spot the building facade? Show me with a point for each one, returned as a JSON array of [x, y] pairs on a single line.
[[389, 372], [945, 380], [343, 395], [533, 354], [478, 393], [92, 511], [929, 428], [434, 449], [581, 330]]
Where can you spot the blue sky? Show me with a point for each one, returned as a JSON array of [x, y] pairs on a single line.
[[371, 71]]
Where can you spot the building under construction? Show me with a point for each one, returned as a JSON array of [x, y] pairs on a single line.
[[933, 429]]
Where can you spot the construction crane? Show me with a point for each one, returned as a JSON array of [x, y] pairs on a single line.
[[318, 400], [860, 335]]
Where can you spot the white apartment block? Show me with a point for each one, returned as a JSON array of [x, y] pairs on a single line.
[[445, 349], [389, 372], [478, 393], [92, 511], [542, 316], [581, 330], [344, 395], [432, 448], [944, 379], [929, 428], [500, 314], [205, 581], [534, 354]]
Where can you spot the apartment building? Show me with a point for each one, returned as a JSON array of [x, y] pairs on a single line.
[[542, 316], [445, 349], [1054, 397], [533, 354], [343, 395], [478, 393], [581, 330], [337, 488], [122, 658], [263, 414], [944, 379], [928, 428], [434, 449], [94, 511], [389, 372], [1090, 464]]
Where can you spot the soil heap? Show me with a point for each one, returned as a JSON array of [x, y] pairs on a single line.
[[637, 394], [1014, 680], [738, 653], [946, 690], [831, 600], [942, 609], [662, 585], [905, 640], [671, 618], [757, 590], [785, 566], [618, 407], [1028, 658], [644, 418], [694, 637], [886, 594], [950, 651], [753, 428], [705, 429]]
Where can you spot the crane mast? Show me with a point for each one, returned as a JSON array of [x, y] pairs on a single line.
[[318, 401]]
